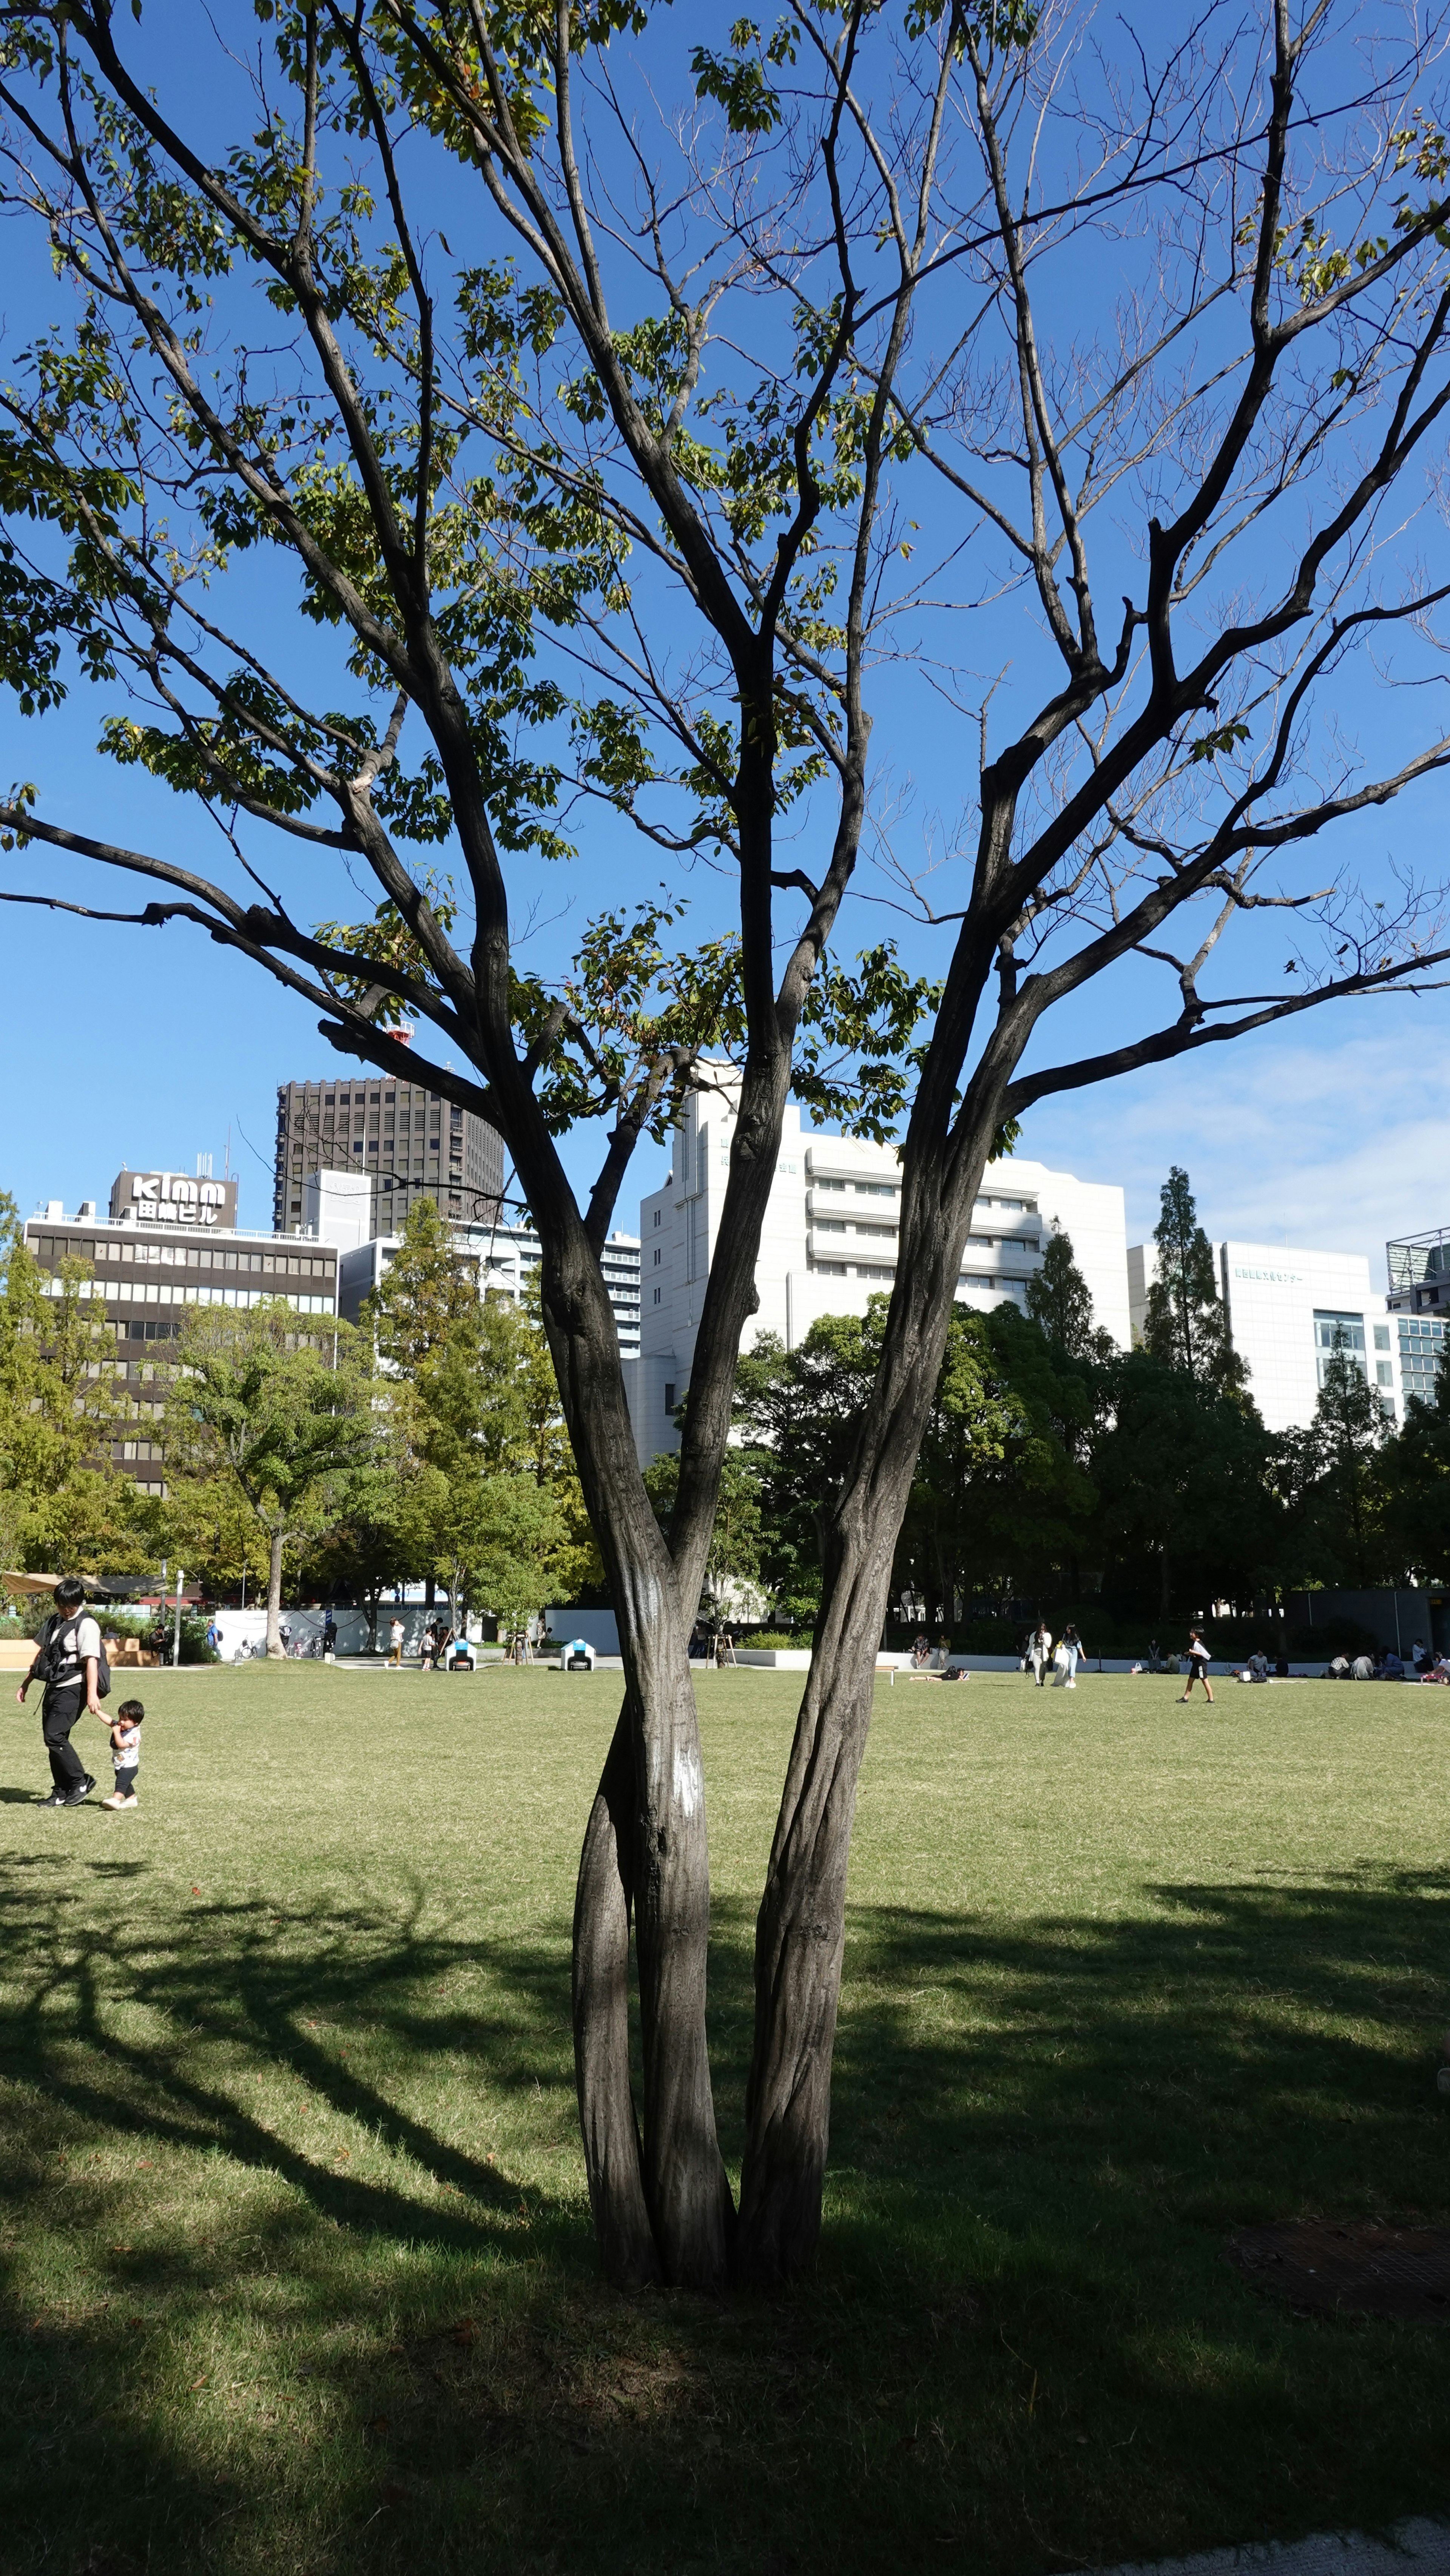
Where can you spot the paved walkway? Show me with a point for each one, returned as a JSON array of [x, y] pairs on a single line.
[[1420, 2548]]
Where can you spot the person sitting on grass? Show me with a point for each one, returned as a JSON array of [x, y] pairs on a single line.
[[125, 1752], [1198, 1663]]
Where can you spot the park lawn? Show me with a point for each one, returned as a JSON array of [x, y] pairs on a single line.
[[295, 2250]]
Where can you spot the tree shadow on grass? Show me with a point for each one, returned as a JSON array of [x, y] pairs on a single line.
[[1022, 2344]]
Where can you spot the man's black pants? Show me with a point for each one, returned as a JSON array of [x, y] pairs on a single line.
[[58, 1714]]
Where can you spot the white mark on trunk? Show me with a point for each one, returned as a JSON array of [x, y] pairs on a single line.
[[687, 1783]]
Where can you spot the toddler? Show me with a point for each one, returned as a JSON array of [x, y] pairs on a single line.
[[126, 1752]]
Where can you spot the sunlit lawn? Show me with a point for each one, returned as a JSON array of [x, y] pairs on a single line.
[[296, 2261]]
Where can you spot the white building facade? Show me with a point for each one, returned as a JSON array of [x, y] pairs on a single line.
[[1287, 1312], [829, 1242], [507, 1257]]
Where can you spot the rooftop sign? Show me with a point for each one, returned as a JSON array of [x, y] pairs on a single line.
[[172, 1198]]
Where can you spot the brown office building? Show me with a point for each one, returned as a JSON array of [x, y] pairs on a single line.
[[410, 1143], [162, 1249]]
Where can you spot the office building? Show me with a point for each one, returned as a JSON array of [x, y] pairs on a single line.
[[1419, 1300], [829, 1242], [408, 1141], [507, 1257], [161, 1249], [1288, 1310]]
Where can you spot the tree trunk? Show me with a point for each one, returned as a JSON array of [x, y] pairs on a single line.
[[645, 1843], [274, 1593], [800, 1930], [602, 1906], [645, 1847]]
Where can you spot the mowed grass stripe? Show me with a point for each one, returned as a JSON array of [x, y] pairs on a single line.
[[296, 2259]]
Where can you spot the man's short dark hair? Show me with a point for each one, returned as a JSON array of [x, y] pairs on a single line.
[[70, 1592]]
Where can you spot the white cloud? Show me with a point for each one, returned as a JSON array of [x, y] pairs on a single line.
[[1335, 1146]]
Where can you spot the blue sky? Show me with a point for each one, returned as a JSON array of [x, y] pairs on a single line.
[[125, 1045]]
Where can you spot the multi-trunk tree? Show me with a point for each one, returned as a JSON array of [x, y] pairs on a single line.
[[624, 408]]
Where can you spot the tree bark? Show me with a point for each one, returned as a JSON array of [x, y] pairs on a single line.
[[665, 1883], [603, 1903], [800, 1930], [646, 1843], [274, 1592]]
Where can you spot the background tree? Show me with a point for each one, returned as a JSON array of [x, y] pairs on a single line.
[[1060, 1302], [63, 1501], [799, 1412], [1187, 1324], [733, 1558], [257, 1401], [627, 504], [1335, 1478], [1001, 1486], [505, 1542], [387, 1514], [1185, 1474], [483, 1409], [1416, 1479]]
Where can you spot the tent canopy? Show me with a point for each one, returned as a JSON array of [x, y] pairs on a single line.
[[48, 1582]]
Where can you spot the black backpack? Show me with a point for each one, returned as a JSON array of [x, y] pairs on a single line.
[[50, 1663]]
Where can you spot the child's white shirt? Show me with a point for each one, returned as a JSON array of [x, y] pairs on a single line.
[[126, 1753]]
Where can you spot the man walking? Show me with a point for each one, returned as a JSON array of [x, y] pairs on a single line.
[[67, 1661]]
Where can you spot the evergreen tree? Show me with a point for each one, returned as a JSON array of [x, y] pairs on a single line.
[[1337, 1477], [1416, 1470], [1187, 1326], [1061, 1302]]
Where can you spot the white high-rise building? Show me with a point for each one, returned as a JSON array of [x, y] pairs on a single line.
[[1285, 1310], [829, 1240], [507, 1257]]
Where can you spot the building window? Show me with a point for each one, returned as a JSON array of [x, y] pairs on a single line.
[[1338, 1332], [1382, 1340], [657, 1216], [657, 1296], [1384, 1374], [669, 1395], [657, 1256]]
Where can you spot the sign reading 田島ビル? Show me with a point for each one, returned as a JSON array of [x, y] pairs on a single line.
[[172, 1198]]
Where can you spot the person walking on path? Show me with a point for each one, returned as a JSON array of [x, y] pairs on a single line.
[[67, 1660], [1070, 1647], [1198, 1663], [1039, 1653], [395, 1644]]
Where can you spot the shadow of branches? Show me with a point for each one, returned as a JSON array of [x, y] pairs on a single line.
[[1021, 2341]]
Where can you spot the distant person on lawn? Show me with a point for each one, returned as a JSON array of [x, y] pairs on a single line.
[[1039, 1653], [1198, 1663], [395, 1644], [68, 1651]]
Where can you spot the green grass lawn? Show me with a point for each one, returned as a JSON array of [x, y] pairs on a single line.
[[295, 2252]]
